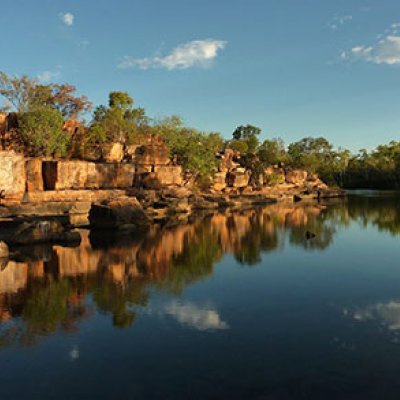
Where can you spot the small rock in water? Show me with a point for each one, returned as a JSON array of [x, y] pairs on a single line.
[[310, 235]]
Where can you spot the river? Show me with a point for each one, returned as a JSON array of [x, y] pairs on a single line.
[[288, 301]]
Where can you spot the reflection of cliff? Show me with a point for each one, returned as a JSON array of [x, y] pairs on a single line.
[[50, 292]]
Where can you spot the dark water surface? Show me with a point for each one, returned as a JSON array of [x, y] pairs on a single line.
[[231, 306]]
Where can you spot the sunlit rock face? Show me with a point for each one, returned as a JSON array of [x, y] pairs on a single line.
[[12, 175], [64, 175], [34, 175], [153, 152], [114, 152], [296, 176]]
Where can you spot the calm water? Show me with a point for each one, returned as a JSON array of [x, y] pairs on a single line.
[[229, 306]]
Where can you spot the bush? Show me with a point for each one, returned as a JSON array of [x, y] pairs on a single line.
[[42, 134]]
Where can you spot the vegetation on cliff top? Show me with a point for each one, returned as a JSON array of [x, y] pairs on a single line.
[[41, 110]]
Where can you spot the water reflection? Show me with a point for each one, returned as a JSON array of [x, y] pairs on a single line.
[[386, 314], [50, 288], [200, 318]]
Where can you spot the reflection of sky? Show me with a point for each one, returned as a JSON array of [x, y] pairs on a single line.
[[387, 314], [193, 316]]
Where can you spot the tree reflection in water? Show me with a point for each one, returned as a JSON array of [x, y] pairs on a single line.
[[46, 289]]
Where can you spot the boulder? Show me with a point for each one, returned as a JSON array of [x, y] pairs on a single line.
[[180, 206], [42, 231], [153, 152], [169, 174], [12, 176], [113, 152], [238, 178], [219, 182], [130, 152], [149, 181], [117, 213], [226, 161]]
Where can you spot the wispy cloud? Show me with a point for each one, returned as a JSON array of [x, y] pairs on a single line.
[[337, 22], [48, 76], [385, 51], [67, 18], [198, 53], [83, 43]]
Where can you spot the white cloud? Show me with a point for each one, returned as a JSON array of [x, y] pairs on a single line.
[[388, 314], [67, 18], [196, 53], [339, 21], [386, 50], [195, 317]]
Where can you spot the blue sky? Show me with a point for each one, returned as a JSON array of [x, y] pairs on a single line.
[[294, 68]]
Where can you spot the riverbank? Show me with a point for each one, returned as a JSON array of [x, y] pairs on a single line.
[[43, 200]]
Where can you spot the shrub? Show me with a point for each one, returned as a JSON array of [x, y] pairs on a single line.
[[41, 131]]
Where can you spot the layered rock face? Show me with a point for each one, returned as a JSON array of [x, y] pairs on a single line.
[[12, 176], [65, 175]]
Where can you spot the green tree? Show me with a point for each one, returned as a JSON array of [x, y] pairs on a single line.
[[272, 152], [41, 132], [194, 149], [120, 121], [248, 134]]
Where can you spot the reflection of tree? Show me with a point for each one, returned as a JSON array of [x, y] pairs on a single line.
[[48, 293], [323, 231], [258, 238], [382, 211], [120, 300], [196, 261], [49, 305]]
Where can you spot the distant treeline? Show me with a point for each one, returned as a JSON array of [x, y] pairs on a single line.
[[41, 111]]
